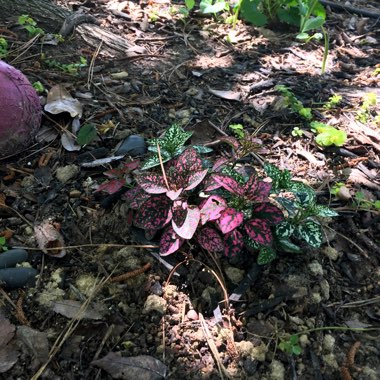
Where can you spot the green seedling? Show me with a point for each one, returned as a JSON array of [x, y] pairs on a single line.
[[297, 132], [238, 129], [3, 47], [327, 135], [360, 202], [3, 244], [213, 6], [364, 115], [333, 102], [292, 102], [71, 68], [39, 87], [290, 345], [30, 26], [336, 188]]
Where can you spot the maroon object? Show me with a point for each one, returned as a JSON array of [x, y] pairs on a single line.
[[20, 111]]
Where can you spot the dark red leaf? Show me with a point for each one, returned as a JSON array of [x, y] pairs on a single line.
[[272, 214], [233, 243], [174, 194], [210, 240], [229, 220], [149, 234], [179, 213], [111, 186], [189, 226], [170, 242], [232, 141], [211, 208], [188, 162], [229, 184], [259, 191], [152, 183], [154, 214], [121, 171], [259, 231], [219, 164]]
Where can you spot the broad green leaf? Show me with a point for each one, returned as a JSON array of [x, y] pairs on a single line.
[[202, 149], [266, 256], [311, 232], [209, 7], [287, 246], [249, 11], [319, 11], [86, 134], [302, 36], [289, 15], [313, 23], [284, 230], [324, 211], [190, 4], [330, 137], [305, 194]]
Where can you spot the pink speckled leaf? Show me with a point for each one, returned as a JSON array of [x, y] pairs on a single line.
[[270, 213], [174, 194], [210, 240], [170, 242], [229, 184], [179, 213], [229, 220], [259, 231], [219, 164], [152, 183], [135, 197], [189, 226], [233, 243], [195, 179], [211, 208], [256, 190], [155, 213], [189, 161]]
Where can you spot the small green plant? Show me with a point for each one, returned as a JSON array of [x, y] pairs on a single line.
[[213, 6], [366, 112], [71, 68], [30, 25], [39, 87], [360, 202], [333, 102], [3, 244], [297, 132], [238, 129], [189, 6], [292, 102], [328, 135], [3, 47], [336, 188], [170, 145], [290, 345]]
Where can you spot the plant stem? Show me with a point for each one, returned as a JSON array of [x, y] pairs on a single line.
[[326, 51]]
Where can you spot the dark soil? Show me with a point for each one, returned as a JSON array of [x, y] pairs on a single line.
[[332, 294]]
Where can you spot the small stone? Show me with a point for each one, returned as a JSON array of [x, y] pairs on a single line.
[[331, 253], [316, 268], [330, 360], [277, 370], [328, 343], [325, 290], [316, 298], [304, 340], [235, 275], [75, 194], [154, 303], [133, 145], [192, 315], [344, 194], [65, 173]]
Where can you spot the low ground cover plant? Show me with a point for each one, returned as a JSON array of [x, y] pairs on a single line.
[[220, 206]]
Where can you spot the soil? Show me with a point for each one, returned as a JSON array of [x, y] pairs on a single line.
[[183, 318]]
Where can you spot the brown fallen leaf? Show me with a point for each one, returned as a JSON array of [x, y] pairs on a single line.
[[49, 239], [141, 367], [8, 351], [225, 94], [71, 308]]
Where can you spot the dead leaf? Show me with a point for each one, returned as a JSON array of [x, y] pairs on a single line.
[[69, 143], [48, 236], [8, 351], [141, 367], [225, 94], [59, 100], [310, 157], [70, 309], [358, 177], [36, 342]]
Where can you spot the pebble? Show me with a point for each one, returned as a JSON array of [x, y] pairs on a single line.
[[328, 343], [12, 257], [133, 145], [13, 278], [316, 268], [331, 253], [65, 173], [192, 315], [154, 303], [325, 290], [277, 370], [235, 275]]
